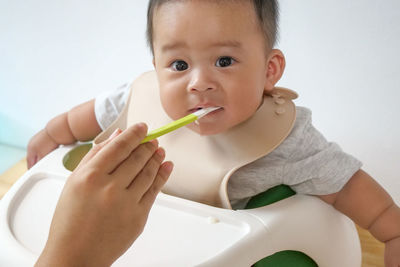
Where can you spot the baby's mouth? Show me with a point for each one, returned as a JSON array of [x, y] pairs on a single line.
[[208, 111], [201, 107], [194, 110]]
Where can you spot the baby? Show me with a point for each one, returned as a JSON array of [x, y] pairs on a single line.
[[220, 53]]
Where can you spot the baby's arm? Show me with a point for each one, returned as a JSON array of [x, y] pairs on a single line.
[[78, 124], [371, 207]]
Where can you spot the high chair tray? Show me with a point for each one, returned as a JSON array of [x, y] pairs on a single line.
[[180, 232]]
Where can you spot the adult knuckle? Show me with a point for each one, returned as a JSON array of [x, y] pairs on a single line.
[[121, 143], [138, 157], [153, 162], [144, 153], [148, 172], [157, 159], [150, 148], [136, 133]]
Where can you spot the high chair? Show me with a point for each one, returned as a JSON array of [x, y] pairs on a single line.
[[298, 230]]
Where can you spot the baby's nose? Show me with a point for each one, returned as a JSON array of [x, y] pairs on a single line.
[[202, 81]]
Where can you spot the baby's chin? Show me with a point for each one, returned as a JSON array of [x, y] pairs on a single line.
[[206, 130]]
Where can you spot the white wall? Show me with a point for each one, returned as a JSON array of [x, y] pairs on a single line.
[[56, 54], [342, 57]]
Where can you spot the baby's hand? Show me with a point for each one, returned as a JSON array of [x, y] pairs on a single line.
[[392, 252], [39, 146]]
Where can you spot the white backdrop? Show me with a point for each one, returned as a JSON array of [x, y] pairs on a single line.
[[342, 58]]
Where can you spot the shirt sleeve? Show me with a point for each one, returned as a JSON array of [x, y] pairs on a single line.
[[316, 166], [109, 105]]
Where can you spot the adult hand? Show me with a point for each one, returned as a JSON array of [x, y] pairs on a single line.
[[105, 202]]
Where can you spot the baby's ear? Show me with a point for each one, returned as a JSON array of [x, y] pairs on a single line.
[[275, 67], [154, 62]]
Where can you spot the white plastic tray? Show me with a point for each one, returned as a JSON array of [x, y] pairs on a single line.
[[180, 232]]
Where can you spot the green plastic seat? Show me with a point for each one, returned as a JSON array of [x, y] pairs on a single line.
[[287, 258]]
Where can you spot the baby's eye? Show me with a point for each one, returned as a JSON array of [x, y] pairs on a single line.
[[179, 65], [224, 62]]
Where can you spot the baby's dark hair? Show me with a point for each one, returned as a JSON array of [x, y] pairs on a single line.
[[267, 13]]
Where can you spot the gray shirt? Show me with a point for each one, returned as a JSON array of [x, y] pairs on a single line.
[[305, 160]]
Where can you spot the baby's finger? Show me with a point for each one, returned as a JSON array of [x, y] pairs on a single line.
[[119, 148], [162, 177], [31, 159], [125, 173]]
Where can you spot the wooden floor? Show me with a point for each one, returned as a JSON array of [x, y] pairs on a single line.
[[372, 250], [8, 178]]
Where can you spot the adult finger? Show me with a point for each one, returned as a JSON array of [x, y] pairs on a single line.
[[162, 177], [145, 178], [127, 171], [108, 158], [96, 148]]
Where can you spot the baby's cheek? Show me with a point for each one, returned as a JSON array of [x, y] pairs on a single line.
[[171, 106]]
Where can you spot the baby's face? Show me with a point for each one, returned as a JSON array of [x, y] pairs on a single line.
[[209, 54]]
